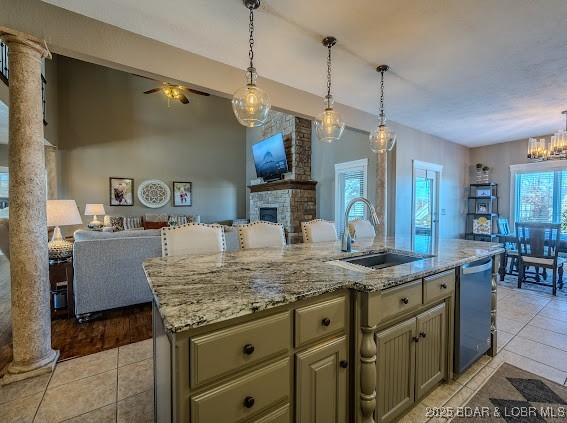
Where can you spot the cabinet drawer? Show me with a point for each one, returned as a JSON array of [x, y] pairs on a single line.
[[244, 397], [226, 350], [438, 286], [401, 299], [319, 320], [281, 415]]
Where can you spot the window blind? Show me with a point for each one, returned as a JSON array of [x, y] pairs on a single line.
[[353, 186], [535, 197]]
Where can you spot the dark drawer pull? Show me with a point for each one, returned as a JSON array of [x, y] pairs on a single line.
[[326, 321], [405, 300], [249, 402], [344, 364], [248, 349], [444, 286], [422, 334], [415, 339]]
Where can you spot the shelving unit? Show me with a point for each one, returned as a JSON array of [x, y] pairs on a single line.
[[482, 203]]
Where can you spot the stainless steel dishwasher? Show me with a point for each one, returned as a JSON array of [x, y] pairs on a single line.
[[472, 316]]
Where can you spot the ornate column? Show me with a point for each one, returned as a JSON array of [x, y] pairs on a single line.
[[382, 193], [367, 374], [31, 321]]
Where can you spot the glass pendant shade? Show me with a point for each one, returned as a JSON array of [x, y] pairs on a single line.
[[382, 139], [329, 125], [251, 105]]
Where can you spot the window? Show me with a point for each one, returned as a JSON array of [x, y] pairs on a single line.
[[541, 196], [350, 182]]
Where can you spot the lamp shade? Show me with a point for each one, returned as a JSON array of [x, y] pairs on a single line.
[[94, 209], [63, 213]]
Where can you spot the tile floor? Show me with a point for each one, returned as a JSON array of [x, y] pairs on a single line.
[[532, 335], [116, 385], [109, 386]]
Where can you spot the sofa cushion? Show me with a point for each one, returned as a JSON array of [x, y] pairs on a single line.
[[83, 235], [155, 225], [155, 218], [133, 222], [115, 222]]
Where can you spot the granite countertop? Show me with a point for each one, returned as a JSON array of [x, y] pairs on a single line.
[[194, 291]]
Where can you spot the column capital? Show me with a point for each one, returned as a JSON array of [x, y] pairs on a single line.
[[11, 36]]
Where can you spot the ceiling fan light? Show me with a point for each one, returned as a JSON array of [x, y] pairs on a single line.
[[329, 125], [382, 139]]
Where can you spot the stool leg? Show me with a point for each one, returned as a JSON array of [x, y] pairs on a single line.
[[560, 277], [554, 283]]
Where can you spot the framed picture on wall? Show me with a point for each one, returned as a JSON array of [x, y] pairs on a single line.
[[121, 191], [182, 194]]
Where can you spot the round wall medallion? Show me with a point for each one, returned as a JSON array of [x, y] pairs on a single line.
[[154, 193]]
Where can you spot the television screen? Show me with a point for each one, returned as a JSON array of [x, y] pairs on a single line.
[[269, 157]]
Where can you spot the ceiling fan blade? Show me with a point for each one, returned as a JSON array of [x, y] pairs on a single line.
[[197, 92], [183, 99], [153, 90]]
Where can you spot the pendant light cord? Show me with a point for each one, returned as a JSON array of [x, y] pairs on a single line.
[[251, 43], [382, 98], [328, 98]]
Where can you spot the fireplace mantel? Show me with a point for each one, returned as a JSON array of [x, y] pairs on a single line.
[[284, 184]]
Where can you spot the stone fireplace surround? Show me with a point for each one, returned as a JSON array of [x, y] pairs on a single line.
[[293, 197]]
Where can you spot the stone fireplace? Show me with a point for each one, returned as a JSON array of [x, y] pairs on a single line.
[[292, 200]]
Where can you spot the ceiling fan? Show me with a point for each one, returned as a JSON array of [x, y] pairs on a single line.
[[175, 92]]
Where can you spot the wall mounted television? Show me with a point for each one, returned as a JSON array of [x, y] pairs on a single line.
[[269, 158]]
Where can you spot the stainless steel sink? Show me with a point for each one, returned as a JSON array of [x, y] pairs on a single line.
[[382, 260]]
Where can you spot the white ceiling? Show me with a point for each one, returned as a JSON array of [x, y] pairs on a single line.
[[472, 71]]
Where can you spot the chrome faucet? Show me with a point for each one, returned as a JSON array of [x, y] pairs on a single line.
[[347, 240]]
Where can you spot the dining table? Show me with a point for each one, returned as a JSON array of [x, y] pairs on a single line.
[[512, 239]]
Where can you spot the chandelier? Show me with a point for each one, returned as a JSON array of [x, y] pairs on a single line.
[[329, 124], [251, 104], [383, 138], [556, 149]]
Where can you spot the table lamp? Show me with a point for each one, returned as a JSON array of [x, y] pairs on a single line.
[[61, 213], [93, 210]]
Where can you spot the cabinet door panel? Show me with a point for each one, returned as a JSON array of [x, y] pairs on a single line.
[[395, 366], [321, 390], [431, 350]]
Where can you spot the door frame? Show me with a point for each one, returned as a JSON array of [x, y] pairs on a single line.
[[434, 167]]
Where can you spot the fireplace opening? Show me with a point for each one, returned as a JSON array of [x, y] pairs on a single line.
[[269, 214]]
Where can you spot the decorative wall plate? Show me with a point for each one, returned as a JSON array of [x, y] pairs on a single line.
[[154, 193]]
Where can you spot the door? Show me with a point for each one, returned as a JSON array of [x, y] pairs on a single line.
[[322, 376], [431, 350], [425, 206], [395, 370]]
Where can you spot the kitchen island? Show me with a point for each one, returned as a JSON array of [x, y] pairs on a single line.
[[295, 334]]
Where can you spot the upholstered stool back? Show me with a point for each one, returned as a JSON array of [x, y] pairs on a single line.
[[192, 238], [261, 234], [318, 230], [361, 228]]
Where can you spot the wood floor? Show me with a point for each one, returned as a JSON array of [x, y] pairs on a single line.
[[114, 329]]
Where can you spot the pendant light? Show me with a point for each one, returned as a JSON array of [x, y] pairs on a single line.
[[250, 103], [329, 126], [383, 138]]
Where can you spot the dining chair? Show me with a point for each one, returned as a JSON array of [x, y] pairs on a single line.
[[538, 246], [318, 230], [261, 234], [510, 247], [361, 228], [192, 238]]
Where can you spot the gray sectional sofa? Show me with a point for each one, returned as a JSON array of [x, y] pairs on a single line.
[[108, 269]]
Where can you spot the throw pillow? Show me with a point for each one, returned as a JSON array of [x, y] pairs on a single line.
[[117, 223], [154, 225]]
